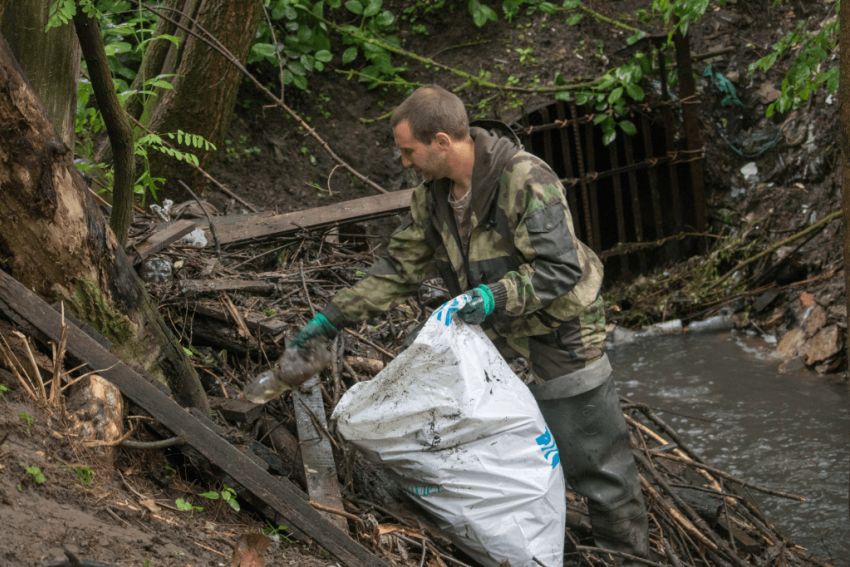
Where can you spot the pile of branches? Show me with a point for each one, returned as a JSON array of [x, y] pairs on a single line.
[[237, 309]]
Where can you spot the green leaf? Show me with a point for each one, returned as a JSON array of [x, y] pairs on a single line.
[[372, 8], [635, 37], [319, 10], [307, 61], [187, 351], [354, 6], [287, 77], [324, 56], [628, 127], [559, 79], [609, 137], [547, 8], [305, 34], [562, 95], [582, 98], [290, 12], [600, 118], [334, 3], [349, 55], [385, 19], [297, 68], [260, 51], [163, 85], [635, 91], [117, 47], [212, 495], [571, 4], [615, 95], [574, 19], [300, 82]]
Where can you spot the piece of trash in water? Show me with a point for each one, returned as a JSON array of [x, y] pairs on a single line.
[[156, 270], [195, 239], [290, 370], [673, 327], [716, 323]]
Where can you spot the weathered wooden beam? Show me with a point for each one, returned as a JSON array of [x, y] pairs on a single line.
[[269, 325], [316, 452], [207, 286], [356, 210], [159, 240], [279, 494], [237, 411]]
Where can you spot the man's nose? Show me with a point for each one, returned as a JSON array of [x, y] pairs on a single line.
[[405, 162]]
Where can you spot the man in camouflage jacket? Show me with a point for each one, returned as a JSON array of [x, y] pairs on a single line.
[[493, 219]]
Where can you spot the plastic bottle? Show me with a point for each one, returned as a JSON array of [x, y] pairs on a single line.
[[156, 270]]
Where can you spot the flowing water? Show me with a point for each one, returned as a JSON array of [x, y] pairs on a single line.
[[784, 431]]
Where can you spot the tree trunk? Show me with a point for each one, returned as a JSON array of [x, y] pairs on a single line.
[[844, 100], [50, 61], [53, 239], [205, 88]]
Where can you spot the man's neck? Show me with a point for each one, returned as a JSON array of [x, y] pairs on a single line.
[[462, 164]]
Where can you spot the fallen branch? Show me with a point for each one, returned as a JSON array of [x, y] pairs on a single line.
[[342, 513]]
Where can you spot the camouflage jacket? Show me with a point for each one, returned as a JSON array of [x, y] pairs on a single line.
[[522, 237]]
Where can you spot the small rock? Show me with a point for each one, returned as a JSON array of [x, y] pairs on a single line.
[[815, 320], [790, 345], [768, 92], [103, 542], [824, 345], [792, 365]]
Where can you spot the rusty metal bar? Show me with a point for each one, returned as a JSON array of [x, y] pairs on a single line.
[[585, 200], [667, 116], [591, 186], [618, 205], [633, 189], [547, 139], [636, 166], [568, 161], [562, 123], [693, 141], [653, 178]]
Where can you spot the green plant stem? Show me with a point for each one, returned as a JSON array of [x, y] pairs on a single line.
[[118, 128], [607, 20], [460, 45], [472, 79], [817, 226], [377, 119]]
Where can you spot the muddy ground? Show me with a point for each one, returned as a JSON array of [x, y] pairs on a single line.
[[131, 521]]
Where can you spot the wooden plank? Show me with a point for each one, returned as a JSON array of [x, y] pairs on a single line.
[[268, 325], [279, 494], [237, 411], [316, 452], [207, 286], [356, 210], [159, 240]]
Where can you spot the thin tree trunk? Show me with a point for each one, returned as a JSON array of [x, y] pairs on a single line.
[[54, 240], [117, 126], [50, 60], [844, 98], [205, 88]]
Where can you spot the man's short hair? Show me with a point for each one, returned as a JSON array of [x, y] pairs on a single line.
[[432, 109]]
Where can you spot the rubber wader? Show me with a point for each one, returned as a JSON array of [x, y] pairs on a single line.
[[583, 413]]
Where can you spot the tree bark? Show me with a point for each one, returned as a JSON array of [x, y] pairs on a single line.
[[50, 60], [205, 88], [844, 100], [54, 240], [117, 126]]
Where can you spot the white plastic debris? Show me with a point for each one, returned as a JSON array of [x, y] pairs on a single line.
[[163, 212], [673, 327], [195, 239], [750, 172], [464, 436], [715, 323], [156, 270]]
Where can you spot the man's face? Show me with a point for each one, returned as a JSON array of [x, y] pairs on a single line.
[[426, 159]]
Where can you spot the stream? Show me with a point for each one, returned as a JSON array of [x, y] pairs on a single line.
[[789, 432]]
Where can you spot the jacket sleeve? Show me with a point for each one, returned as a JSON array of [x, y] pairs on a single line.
[[555, 262], [394, 277]]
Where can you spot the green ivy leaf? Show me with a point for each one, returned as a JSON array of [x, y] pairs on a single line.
[[349, 55], [300, 82], [574, 19], [635, 91], [385, 19], [571, 4], [372, 8], [582, 98], [354, 6], [615, 95], [635, 37], [334, 3], [609, 137], [117, 47], [324, 56], [307, 61], [297, 68], [212, 495], [562, 95], [628, 127], [547, 8], [260, 51], [559, 79]]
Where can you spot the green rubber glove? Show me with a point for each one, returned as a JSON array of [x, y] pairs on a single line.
[[318, 327], [481, 305]]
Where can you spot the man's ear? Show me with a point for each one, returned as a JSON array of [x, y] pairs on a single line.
[[442, 140]]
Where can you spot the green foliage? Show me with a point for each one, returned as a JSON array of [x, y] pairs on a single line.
[[227, 494], [278, 531], [187, 506], [3, 390], [28, 420], [34, 473], [84, 473], [810, 67], [62, 11]]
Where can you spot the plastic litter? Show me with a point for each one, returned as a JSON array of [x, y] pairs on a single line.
[[156, 270], [292, 369], [750, 172], [716, 323], [195, 239], [464, 436], [163, 212], [673, 327]]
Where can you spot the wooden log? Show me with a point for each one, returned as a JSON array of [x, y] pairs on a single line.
[[210, 332], [279, 494], [316, 451], [209, 286], [159, 240], [268, 325], [367, 208]]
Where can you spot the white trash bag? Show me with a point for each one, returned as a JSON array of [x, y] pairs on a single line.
[[464, 436]]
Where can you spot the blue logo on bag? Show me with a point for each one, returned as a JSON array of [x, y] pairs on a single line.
[[547, 445], [425, 490]]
